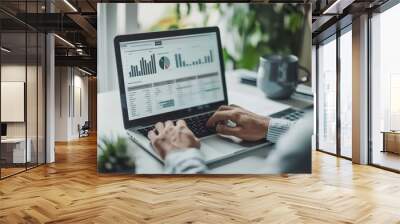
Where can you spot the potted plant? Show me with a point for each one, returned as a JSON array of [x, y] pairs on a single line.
[[114, 157]]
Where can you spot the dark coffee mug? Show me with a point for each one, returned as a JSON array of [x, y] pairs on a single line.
[[278, 76]]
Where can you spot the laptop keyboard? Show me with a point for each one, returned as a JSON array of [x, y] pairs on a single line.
[[289, 114], [197, 124]]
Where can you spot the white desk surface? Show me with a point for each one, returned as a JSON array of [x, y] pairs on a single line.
[[110, 124]]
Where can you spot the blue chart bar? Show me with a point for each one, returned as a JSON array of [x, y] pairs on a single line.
[[146, 68], [202, 60]]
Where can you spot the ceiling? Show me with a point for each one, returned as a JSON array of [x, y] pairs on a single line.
[[75, 21], [330, 15]]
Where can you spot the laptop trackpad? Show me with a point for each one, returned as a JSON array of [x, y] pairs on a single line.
[[216, 146]]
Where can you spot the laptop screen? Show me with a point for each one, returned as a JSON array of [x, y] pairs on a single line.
[[167, 74]]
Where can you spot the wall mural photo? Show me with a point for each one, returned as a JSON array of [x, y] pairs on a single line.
[[204, 88]]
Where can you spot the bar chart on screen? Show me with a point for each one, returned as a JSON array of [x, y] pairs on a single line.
[[144, 67], [206, 59]]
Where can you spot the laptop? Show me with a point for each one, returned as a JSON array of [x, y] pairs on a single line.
[[173, 75]]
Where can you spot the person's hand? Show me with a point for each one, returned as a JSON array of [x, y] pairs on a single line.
[[249, 126], [168, 137]]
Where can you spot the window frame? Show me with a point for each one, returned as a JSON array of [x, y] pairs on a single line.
[[344, 27], [28, 29], [381, 9]]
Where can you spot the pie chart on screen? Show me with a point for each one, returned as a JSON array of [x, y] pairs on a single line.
[[164, 63]]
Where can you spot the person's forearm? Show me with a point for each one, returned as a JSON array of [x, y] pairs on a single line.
[[191, 161], [276, 128], [187, 161]]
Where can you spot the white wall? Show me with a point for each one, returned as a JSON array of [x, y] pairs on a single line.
[[69, 82], [17, 72], [12, 73], [12, 100], [33, 126], [79, 117], [61, 103]]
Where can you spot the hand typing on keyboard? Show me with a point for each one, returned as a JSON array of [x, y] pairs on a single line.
[[168, 137], [241, 123]]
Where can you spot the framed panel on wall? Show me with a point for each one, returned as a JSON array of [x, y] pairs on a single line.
[[12, 98]]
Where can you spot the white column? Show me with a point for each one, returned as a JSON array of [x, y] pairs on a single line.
[[360, 90], [50, 99], [63, 100]]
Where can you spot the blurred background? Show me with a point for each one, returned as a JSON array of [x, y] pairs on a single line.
[[248, 30]]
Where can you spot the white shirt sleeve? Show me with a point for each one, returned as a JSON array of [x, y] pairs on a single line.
[[276, 128], [186, 161]]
